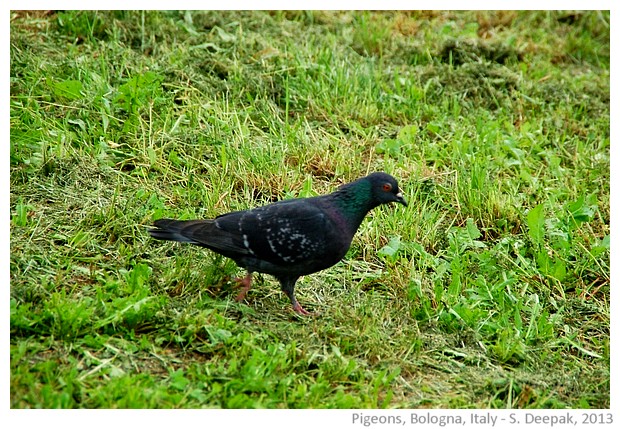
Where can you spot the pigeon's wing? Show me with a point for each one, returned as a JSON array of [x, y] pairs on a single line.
[[287, 233], [294, 234]]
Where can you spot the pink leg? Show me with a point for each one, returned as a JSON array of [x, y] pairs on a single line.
[[246, 284]]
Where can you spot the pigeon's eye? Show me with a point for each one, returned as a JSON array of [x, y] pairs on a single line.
[[387, 187]]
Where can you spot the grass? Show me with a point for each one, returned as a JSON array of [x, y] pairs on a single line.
[[491, 290]]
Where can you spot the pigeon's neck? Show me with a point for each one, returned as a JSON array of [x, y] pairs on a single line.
[[353, 202]]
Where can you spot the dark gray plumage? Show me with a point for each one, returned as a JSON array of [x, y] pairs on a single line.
[[288, 238]]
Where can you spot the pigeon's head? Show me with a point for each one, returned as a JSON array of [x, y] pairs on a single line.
[[385, 189]]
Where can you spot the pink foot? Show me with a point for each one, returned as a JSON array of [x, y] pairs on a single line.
[[299, 310], [245, 284]]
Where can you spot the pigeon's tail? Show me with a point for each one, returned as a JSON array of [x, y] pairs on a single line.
[[174, 230], [205, 233]]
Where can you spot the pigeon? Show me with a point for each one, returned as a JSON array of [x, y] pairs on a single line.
[[289, 238]]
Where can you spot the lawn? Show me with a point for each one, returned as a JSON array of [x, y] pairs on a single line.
[[490, 290]]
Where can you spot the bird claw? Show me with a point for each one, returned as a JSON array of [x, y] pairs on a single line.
[[245, 283], [300, 310]]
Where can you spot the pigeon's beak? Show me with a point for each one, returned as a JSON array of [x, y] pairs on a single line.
[[400, 199]]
